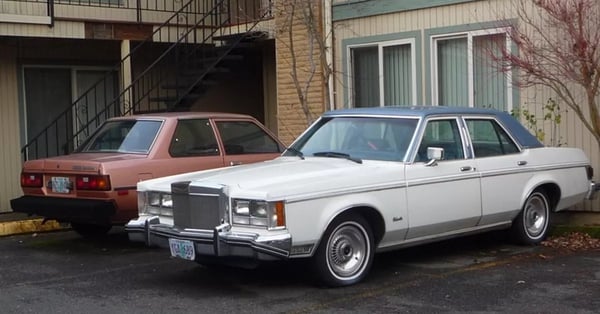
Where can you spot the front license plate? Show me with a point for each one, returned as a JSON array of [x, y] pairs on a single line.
[[60, 185], [182, 249]]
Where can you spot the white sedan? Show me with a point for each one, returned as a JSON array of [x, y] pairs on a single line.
[[360, 181]]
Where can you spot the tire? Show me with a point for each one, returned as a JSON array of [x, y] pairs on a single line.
[[531, 225], [91, 230], [345, 254]]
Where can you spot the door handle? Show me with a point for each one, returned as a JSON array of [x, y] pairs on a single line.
[[521, 162], [467, 168], [235, 163]]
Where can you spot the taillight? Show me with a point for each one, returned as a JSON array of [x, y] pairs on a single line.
[[31, 180], [93, 183], [590, 172]]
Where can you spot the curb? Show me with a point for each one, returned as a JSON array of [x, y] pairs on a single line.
[[15, 227]]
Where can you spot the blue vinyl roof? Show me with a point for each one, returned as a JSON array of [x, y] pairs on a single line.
[[517, 130]]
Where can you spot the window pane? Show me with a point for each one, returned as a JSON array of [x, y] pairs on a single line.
[[489, 83], [397, 75], [365, 77], [443, 134], [489, 139], [453, 72], [128, 136], [193, 138], [242, 137]]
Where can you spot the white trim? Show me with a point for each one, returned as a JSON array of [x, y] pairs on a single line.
[[25, 19]]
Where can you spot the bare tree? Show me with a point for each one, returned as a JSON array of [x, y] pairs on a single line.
[[558, 42], [305, 17]]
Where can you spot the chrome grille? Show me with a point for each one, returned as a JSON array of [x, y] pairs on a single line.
[[197, 207]]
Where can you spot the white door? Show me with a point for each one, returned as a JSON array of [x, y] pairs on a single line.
[[443, 197]]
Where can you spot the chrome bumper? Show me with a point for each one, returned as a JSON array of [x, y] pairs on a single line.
[[592, 192], [219, 242]]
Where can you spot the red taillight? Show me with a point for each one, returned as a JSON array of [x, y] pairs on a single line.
[[31, 180], [94, 183]]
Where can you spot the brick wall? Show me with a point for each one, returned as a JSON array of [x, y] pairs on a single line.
[[291, 119]]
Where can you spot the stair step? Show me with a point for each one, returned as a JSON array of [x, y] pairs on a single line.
[[186, 84], [249, 36]]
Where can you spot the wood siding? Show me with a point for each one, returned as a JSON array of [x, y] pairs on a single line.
[[10, 158], [570, 132]]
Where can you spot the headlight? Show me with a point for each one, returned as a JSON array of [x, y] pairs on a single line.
[[258, 213], [155, 203]]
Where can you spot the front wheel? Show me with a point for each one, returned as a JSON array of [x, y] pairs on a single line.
[[531, 225], [346, 252]]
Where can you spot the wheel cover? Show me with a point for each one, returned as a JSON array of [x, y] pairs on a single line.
[[535, 216], [347, 250]]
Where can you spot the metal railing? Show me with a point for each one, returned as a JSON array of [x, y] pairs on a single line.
[[161, 86]]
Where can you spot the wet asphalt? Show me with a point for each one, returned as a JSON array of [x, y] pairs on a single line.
[[59, 272]]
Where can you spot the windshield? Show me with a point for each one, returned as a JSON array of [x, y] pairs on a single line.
[[359, 137], [124, 136]]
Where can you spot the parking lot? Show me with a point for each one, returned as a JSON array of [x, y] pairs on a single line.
[[59, 272]]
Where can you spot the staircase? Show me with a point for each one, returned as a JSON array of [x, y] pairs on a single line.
[[198, 44]]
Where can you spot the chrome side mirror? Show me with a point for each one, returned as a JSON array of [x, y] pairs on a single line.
[[434, 154]]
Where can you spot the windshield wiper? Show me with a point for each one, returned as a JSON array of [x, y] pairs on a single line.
[[296, 152], [338, 155]]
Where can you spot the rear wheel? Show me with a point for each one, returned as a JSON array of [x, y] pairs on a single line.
[[90, 230], [346, 252], [531, 225]]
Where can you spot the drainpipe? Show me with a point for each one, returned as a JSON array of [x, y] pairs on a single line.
[[51, 12], [328, 29]]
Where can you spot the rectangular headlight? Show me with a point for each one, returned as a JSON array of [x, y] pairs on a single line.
[[258, 213], [155, 203]]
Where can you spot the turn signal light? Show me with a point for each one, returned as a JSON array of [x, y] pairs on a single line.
[[31, 180], [93, 183]]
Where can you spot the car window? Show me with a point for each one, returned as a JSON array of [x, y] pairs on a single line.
[[489, 139], [193, 137], [245, 137], [442, 134], [128, 136], [360, 137]]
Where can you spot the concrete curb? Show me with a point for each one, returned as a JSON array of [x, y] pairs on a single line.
[[14, 223]]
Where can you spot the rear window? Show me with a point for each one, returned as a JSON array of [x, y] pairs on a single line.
[[128, 136]]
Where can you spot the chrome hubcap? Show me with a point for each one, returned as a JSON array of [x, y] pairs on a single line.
[[347, 250], [536, 215]]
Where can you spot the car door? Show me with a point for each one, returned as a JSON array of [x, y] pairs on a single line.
[[503, 168], [443, 196], [244, 141]]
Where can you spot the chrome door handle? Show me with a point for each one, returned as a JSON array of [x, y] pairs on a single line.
[[235, 163], [521, 163], [466, 168]]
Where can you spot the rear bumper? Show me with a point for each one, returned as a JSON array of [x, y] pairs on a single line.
[[66, 209], [592, 191]]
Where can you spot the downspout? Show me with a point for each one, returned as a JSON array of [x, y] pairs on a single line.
[[328, 29]]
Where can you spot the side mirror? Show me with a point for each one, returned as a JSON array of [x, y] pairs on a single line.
[[434, 154]]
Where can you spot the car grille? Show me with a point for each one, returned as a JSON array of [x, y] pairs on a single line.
[[197, 207]]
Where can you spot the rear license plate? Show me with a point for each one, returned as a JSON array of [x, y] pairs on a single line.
[[61, 185], [182, 249]]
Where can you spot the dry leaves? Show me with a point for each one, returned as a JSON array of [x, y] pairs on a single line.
[[575, 241]]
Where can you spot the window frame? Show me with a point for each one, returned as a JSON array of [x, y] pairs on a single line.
[[380, 67], [469, 35]]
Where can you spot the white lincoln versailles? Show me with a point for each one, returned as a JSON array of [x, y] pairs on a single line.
[[361, 181]]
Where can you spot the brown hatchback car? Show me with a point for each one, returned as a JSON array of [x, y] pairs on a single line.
[[94, 188]]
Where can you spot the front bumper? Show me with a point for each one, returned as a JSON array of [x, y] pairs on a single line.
[[219, 242], [66, 209]]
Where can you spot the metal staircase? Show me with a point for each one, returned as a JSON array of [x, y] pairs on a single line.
[[195, 46]]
